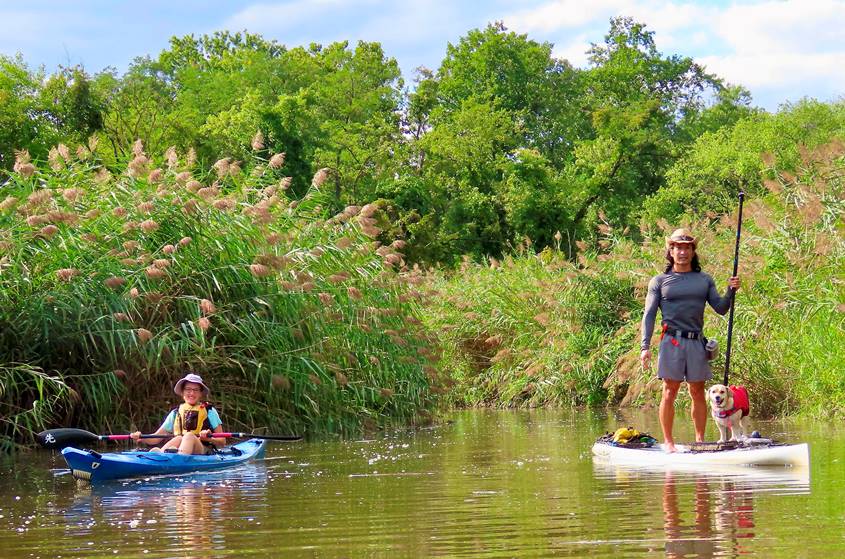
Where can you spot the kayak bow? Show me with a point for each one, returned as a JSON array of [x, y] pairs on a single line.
[[90, 465]]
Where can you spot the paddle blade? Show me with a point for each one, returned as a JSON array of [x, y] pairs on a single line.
[[60, 438]]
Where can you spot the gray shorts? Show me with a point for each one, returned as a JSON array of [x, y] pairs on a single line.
[[685, 361]]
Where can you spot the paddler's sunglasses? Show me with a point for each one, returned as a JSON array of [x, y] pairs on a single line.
[[191, 390]]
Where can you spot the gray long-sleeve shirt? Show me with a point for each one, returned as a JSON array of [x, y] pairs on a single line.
[[681, 298]]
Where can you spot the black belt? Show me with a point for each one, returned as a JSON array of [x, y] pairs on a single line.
[[690, 335]]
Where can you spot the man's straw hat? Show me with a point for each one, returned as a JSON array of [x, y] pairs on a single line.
[[681, 236]]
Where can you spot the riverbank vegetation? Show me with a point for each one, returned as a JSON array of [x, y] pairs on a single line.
[[504, 215], [113, 286]]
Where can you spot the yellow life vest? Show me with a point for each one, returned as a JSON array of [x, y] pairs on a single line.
[[191, 419]]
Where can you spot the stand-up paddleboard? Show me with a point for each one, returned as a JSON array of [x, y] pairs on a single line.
[[762, 452]]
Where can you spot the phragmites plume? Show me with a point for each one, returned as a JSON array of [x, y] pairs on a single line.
[[22, 165], [320, 177], [138, 148], [144, 335], [82, 153], [354, 293], [154, 273], [130, 246], [221, 166], [193, 186], [39, 197], [184, 241], [168, 249], [277, 161], [285, 183], [134, 293], [155, 175], [183, 177], [63, 151], [148, 226], [207, 307], [48, 231], [343, 242], [138, 166], [171, 157], [326, 299], [102, 176], [66, 274], [368, 211], [145, 207], [203, 323], [93, 140], [71, 195], [161, 263], [55, 160], [114, 282], [259, 270], [235, 168], [209, 192], [121, 317], [225, 204], [9, 203], [258, 141], [191, 157]]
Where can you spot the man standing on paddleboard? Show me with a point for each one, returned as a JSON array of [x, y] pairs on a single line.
[[681, 293]]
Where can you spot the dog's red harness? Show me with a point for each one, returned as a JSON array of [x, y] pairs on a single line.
[[740, 398]]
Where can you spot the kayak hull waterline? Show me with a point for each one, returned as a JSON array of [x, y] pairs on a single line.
[[794, 455], [92, 466]]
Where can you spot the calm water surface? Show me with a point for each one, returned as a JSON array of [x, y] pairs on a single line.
[[488, 484]]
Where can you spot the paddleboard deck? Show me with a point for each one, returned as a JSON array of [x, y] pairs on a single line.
[[795, 455]]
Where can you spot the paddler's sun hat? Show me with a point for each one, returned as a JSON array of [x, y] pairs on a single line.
[[190, 377], [680, 237]]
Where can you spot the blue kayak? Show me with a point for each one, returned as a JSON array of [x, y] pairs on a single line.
[[90, 465]]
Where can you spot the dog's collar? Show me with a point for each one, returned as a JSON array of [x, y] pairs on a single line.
[[726, 413]]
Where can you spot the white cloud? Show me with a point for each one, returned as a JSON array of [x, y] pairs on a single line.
[[289, 16], [562, 14]]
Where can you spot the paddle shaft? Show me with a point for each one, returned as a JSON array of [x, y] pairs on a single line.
[[60, 438], [733, 292]]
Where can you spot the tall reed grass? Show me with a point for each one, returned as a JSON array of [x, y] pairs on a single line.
[[537, 329], [114, 283]]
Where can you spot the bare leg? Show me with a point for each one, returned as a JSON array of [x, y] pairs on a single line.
[[667, 411], [191, 444], [172, 443], [699, 409]]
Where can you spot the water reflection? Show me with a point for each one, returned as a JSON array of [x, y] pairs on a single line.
[[188, 513], [708, 513]]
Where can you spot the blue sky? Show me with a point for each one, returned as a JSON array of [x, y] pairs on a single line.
[[781, 50]]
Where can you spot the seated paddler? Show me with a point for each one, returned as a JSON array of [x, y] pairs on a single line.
[[191, 423]]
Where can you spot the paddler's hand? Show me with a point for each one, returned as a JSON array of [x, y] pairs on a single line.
[[205, 435], [136, 436], [733, 283], [645, 359]]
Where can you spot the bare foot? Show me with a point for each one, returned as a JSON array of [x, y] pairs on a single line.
[[669, 446]]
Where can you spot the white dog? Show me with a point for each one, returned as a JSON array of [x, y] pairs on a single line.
[[729, 407]]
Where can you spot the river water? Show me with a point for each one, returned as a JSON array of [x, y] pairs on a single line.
[[484, 484]]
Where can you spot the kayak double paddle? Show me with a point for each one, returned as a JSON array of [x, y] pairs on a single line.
[[60, 438]]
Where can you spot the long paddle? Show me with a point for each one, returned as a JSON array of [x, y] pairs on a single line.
[[60, 438], [733, 292]]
